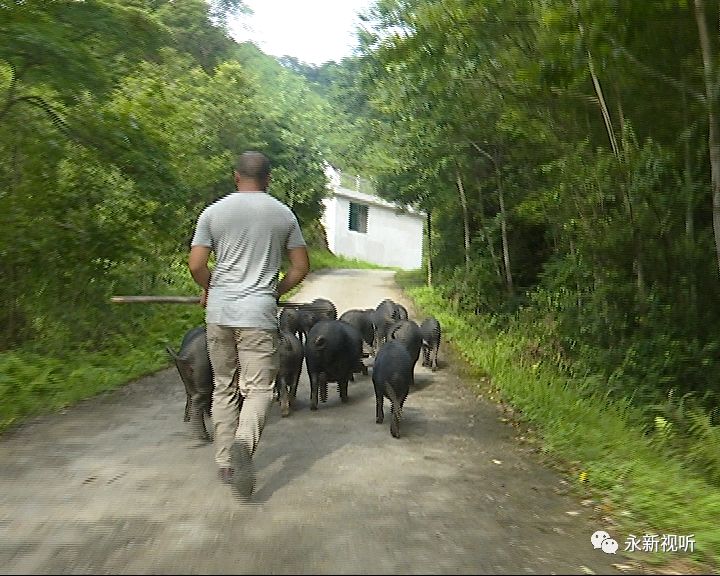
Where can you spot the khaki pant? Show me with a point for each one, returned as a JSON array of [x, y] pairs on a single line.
[[244, 361]]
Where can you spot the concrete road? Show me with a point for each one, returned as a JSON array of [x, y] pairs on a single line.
[[115, 485]]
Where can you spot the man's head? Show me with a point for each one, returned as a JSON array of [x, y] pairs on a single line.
[[252, 171]]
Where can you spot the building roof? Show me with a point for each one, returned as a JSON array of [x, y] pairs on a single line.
[[375, 200]]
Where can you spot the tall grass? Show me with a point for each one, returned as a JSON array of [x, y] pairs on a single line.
[[321, 258], [643, 486], [32, 384]]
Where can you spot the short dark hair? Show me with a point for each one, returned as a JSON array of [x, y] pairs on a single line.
[[253, 165]]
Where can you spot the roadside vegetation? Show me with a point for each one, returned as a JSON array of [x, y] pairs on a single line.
[[636, 480], [119, 121], [33, 382], [564, 152]]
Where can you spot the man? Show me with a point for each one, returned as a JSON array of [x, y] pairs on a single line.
[[248, 231]]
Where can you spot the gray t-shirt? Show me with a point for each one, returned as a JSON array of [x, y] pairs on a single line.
[[248, 232]]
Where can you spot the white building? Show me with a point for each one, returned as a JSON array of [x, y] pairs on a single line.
[[368, 228]]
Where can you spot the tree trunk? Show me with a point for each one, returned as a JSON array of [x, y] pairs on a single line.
[[689, 188], [596, 84], [466, 220], [713, 143], [636, 239], [488, 239], [503, 219], [689, 211], [505, 244]]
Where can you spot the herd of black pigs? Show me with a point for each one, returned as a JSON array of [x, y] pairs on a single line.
[[333, 349]]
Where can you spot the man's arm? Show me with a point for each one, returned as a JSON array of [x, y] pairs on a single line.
[[299, 267], [198, 264]]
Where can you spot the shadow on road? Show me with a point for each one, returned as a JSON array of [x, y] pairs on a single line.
[[293, 445]]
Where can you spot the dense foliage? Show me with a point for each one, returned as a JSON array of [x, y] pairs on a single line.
[[119, 121], [567, 153]]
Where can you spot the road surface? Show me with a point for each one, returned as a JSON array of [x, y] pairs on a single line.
[[116, 484]]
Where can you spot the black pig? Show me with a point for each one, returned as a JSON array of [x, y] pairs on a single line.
[[363, 321], [289, 321], [431, 334], [193, 364], [332, 353], [386, 314], [290, 350], [392, 378], [408, 333], [324, 308], [311, 313]]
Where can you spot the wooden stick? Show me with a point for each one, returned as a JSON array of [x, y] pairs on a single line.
[[180, 300], [156, 299]]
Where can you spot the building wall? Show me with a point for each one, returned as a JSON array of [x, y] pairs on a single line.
[[392, 239], [329, 220]]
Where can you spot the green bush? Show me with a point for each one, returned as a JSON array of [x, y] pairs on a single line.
[[660, 481]]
